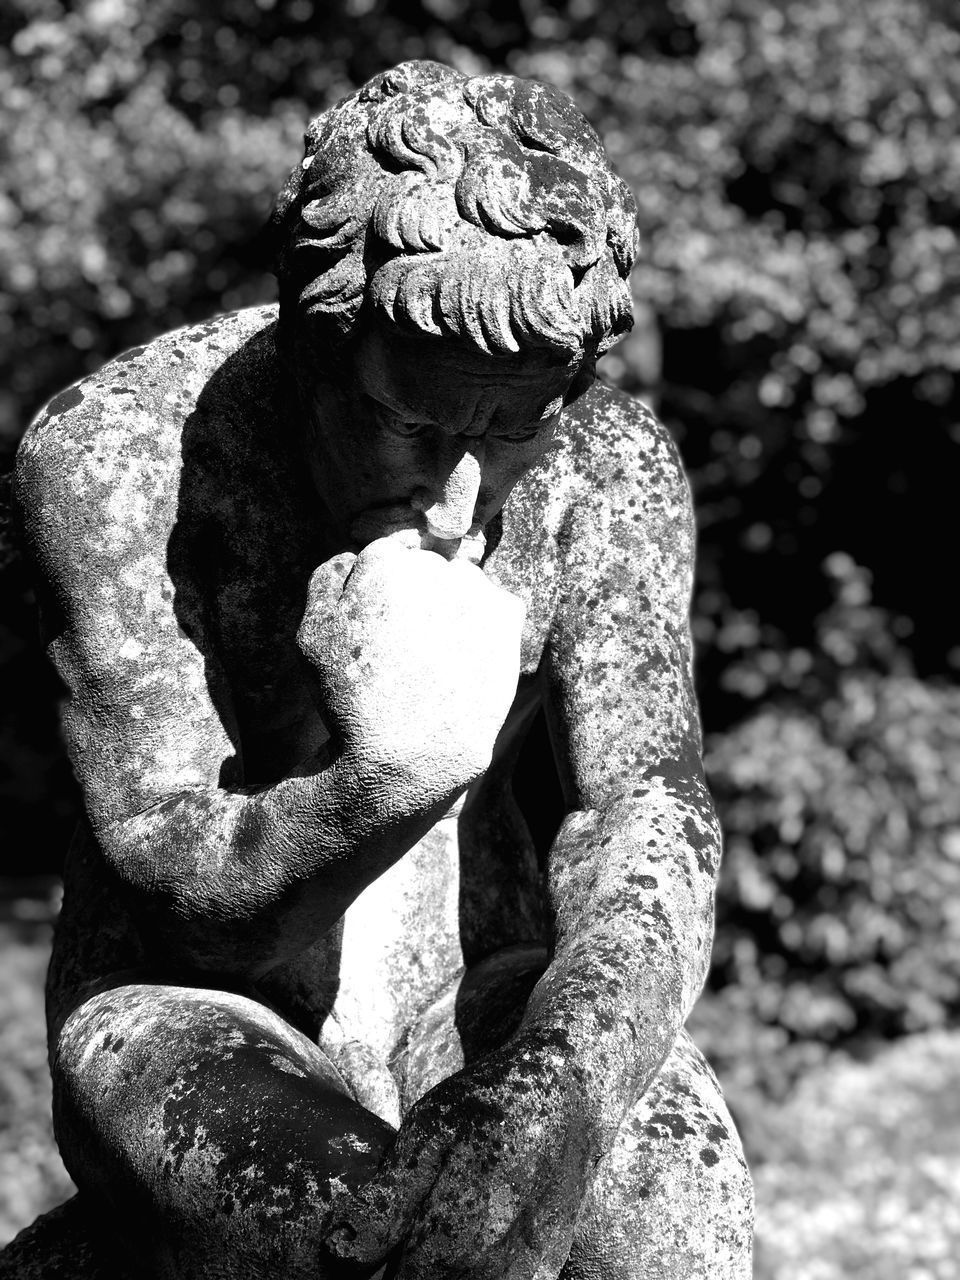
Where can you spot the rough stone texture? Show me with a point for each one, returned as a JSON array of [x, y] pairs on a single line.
[[60, 1245], [308, 584]]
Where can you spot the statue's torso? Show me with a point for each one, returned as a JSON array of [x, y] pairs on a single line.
[[232, 526]]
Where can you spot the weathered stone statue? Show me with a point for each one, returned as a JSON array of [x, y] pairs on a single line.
[[314, 1007]]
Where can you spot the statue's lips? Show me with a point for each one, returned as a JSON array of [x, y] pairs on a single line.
[[409, 526], [380, 522]]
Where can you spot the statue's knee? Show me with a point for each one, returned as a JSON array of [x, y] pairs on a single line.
[[192, 1117], [90, 1054], [674, 1197], [687, 1132]]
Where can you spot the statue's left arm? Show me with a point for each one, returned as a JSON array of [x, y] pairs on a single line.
[[632, 870], [491, 1168]]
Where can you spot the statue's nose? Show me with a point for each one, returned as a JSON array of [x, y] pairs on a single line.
[[448, 506]]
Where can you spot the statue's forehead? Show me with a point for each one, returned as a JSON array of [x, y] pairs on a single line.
[[461, 388], [413, 353]]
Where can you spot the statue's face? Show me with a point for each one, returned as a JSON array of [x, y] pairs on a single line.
[[438, 438]]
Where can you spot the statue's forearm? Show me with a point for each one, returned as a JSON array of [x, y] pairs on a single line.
[[632, 888], [236, 882]]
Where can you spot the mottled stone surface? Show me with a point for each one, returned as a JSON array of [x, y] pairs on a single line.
[[315, 1003]]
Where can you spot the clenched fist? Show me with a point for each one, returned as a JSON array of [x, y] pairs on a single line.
[[487, 1176], [417, 660]]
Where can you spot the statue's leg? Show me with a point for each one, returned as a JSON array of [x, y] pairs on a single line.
[[674, 1198], [207, 1132]]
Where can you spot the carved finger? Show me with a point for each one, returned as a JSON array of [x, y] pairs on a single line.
[[465, 1249], [509, 606], [326, 587], [379, 1217], [328, 581]]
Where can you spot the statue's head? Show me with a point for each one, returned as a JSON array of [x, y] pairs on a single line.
[[478, 209]]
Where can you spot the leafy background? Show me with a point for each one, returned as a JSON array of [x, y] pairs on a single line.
[[797, 168]]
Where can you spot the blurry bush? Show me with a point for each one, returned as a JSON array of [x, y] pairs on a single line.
[[839, 902], [32, 1176], [797, 169], [798, 176], [859, 1174]]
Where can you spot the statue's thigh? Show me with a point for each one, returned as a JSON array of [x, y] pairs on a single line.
[[209, 1131], [674, 1199]]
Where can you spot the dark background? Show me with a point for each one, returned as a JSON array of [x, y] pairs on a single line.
[[798, 302]]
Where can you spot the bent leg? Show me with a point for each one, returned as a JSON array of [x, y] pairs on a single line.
[[213, 1136], [674, 1198]]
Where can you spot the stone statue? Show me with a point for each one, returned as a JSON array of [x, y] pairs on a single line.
[[315, 1008]]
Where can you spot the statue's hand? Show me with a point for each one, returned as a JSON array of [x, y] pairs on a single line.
[[486, 1177], [417, 660]]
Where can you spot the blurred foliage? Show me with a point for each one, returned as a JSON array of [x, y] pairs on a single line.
[[839, 901], [797, 167], [32, 1176], [858, 1175]]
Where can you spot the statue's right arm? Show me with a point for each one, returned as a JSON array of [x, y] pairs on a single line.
[[235, 880]]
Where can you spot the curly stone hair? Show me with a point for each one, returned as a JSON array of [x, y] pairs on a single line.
[[478, 208]]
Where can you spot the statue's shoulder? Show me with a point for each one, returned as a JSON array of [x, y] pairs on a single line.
[[626, 536], [146, 391], [107, 452], [621, 452]]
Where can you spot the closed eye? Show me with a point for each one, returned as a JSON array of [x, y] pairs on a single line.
[[406, 428], [397, 425], [530, 430], [521, 434]]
